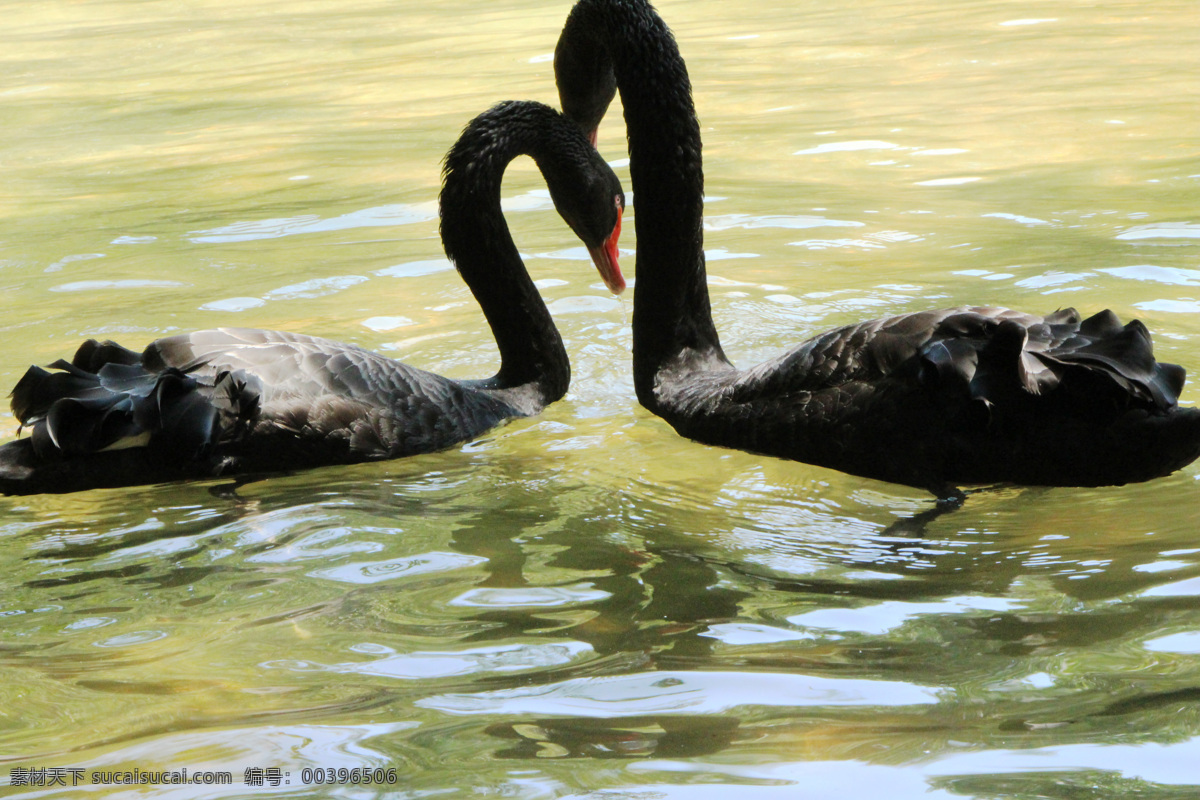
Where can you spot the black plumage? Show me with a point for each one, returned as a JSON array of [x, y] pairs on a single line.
[[237, 400], [934, 399]]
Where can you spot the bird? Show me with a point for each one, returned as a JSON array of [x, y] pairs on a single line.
[[934, 400], [232, 401]]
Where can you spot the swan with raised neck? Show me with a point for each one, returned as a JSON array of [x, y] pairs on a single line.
[[237, 400], [933, 399]]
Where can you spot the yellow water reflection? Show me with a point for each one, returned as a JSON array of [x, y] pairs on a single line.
[[171, 166]]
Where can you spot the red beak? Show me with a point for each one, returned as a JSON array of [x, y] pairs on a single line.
[[605, 258]]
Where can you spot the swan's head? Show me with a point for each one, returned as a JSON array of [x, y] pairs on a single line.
[[588, 195], [585, 190], [585, 78]]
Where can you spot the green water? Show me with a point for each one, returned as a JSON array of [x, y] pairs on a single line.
[[584, 604]]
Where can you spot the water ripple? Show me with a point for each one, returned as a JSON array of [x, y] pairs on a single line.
[[1162, 230], [748, 633], [1150, 273], [92, 286], [396, 214], [1186, 642], [448, 664], [366, 572], [850, 146], [682, 693], [530, 596], [133, 639], [234, 304], [792, 221], [317, 287], [412, 269], [880, 618]]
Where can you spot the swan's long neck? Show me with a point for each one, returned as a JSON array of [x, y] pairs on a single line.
[[476, 238], [672, 319]]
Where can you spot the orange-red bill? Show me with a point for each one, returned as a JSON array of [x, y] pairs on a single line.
[[605, 258]]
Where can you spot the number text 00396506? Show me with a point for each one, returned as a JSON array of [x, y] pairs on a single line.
[[342, 775]]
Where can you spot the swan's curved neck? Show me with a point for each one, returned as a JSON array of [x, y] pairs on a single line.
[[672, 317], [533, 361]]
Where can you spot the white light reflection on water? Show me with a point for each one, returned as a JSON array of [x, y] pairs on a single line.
[[683, 693], [530, 596], [1081, 766], [425, 665], [379, 216], [589, 595], [367, 572], [880, 618]]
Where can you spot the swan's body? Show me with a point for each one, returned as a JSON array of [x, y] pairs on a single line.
[[934, 399], [237, 400]]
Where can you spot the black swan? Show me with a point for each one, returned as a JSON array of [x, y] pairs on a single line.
[[933, 400], [235, 400]]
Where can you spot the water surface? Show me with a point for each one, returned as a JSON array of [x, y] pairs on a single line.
[[584, 604]]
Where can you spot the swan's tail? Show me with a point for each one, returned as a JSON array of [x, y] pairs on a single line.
[[95, 418], [1086, 399]]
